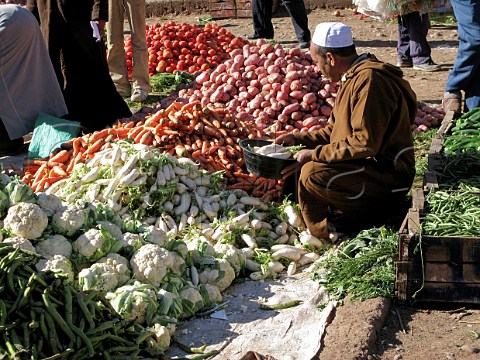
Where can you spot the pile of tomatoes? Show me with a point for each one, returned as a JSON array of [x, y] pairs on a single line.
[[186, 47]]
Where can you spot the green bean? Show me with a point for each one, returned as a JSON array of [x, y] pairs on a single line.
[[26, 334], [17, 344], [68, 305], [123, 348], [10, 348], [85, 311], [102, 327], [56, 316], [60, 355], [9, 326], [52, 334], [3, 313], [85, 339]]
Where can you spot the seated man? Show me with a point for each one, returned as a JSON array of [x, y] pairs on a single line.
[[362, 163]]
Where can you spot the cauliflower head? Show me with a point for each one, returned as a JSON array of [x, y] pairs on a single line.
[[200, 248], [26, 220], [55, 245], [94, 244], [112, 229], [49, 203], [221, 274], [20, 242], [192, 301], [155, 235], [105, 275], [59, 264], [151, 262], [69, 220], [233, 255], [162, 336], [135, 301], [210, 293]]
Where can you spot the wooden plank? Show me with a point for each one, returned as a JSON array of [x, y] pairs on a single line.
[[436, 146], [418, 200], [441, 272], [446, 124], [443, 292], [414, 226]]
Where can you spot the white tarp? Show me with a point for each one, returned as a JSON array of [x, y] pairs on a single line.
[[294, 333]]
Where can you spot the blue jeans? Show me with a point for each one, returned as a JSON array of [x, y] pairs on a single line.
[[412, 42], [465, 74]]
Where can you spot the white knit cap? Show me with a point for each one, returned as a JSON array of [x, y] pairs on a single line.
[[332, 35]]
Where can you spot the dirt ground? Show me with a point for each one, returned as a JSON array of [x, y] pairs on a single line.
[[409, 331]]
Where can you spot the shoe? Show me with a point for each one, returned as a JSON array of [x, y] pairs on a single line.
[[404, 63], [256, 36], [452, 101], [304, 45], [429, 67], [139, 95]]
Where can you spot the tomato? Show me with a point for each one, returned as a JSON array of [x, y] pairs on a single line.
[[167, 54], [211, 52], [204, 67]]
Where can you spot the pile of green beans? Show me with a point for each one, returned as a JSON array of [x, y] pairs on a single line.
[[452, 213], [465, 134], [459, 167], [42, 316]]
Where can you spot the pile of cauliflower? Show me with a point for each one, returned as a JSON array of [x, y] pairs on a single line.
[[146, 275], [162, 247]]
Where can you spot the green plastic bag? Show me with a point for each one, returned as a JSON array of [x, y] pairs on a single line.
[[49, 133]]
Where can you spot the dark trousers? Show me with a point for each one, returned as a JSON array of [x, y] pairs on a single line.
[[412, 38], [465, 74], [262, 18]]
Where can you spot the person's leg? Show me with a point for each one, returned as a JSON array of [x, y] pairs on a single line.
[[362, 192], [298, 14], [464, 75], [418, 26], [262, 18], [116, 56], [403, 44], [136, 14]]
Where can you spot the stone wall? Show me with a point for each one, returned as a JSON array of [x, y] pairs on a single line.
[[158, 8]]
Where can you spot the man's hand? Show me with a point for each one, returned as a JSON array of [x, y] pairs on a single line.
[[285, 139], [302, 157]]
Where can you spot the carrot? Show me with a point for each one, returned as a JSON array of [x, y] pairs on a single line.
[[56, 171], [77, 144], [121, 133], [189, 106], [95, 147], [128, 125], [211, 131], [205, 146], [134, 132], [52, 180], [147, 138], [97, 135], [241, 186], [61, 156]]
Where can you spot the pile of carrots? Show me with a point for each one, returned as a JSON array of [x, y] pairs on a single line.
[[207, 135]]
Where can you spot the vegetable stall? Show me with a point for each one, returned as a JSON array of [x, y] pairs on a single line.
[[120, 235]]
